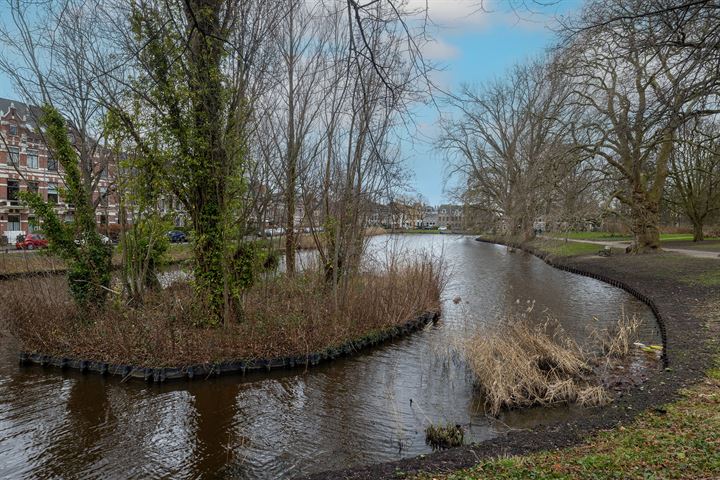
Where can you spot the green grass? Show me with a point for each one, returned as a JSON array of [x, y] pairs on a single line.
[[708, 279], [681, 440], [566, 249], [611, 236], [603, 236]]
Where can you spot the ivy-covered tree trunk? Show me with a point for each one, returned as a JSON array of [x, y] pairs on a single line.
[[209, 168], [78, 242]]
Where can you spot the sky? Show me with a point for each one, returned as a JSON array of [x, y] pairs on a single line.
[[472, 46]]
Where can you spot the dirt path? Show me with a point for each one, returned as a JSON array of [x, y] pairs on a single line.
[[626, 243]]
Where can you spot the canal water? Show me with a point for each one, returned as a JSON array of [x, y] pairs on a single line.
[[360, 410]]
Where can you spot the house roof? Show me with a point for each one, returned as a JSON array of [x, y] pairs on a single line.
[[29, 114]]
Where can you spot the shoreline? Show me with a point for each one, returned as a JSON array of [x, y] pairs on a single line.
[[237, 366], [686, 356]]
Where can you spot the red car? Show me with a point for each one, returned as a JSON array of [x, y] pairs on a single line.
[[31, 242]]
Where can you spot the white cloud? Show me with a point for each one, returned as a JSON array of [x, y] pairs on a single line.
[[475, 14], [451, 13], [438, 49]]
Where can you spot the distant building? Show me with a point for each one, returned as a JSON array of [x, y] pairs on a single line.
[[26, 164], [400, 216], [451, 216]]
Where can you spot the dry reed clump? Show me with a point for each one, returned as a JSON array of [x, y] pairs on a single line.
[[281, 317], [518, 364], [615, 342]]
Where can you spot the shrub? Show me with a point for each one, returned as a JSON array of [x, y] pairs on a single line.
[[282, 317]]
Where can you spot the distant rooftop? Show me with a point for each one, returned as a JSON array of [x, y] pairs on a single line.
[[29, 114]]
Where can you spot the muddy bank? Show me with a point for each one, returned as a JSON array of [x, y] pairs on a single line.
[[657, 279]]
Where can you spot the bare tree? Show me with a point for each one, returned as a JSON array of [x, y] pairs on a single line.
[[511, 145], [637, 90], [50, 50], [694, 182]]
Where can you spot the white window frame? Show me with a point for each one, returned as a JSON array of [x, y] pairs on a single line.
[[34, 155]]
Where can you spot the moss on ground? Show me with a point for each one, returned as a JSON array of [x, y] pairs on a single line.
[[679, 440]]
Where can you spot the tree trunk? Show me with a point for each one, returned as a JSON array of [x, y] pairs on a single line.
[[698, 234], [290, 246], [208, 179], [645, 226]]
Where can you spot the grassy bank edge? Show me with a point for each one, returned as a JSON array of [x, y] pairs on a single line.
[[680, 439], [676, 440]]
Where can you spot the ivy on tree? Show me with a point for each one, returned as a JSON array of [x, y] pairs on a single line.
[[77, 242]]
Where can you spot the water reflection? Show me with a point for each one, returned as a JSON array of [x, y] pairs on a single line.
[[360, 410]]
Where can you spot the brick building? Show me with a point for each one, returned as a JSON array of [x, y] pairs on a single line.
[[26, 164]]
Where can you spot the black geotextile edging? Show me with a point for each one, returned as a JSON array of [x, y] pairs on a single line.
[[554, 262], [206, 370], [687, 349]]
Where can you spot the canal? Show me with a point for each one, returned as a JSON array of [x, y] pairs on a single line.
[[365, 409]]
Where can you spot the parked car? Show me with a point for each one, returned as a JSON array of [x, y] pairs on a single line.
[[177, 236], [272, 232], [31, 241], [104, 239]]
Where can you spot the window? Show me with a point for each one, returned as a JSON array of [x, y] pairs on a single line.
[[103, 220], [13, 130], [32, 159], [103, 196], [33, 226], [52, 193], [13, 190], [13, 223], [14, 157], [32, 187], [104, 173], [52, 164]]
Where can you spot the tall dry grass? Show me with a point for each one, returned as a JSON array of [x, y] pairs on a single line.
[[519, 364], [282, 317]]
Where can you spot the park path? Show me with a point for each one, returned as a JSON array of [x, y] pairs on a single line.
[[625, 243]]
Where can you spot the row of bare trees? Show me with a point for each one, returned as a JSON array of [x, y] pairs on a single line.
[[623, 111], [230, 107]]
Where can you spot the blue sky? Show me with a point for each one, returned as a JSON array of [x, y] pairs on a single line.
[[473, 46]]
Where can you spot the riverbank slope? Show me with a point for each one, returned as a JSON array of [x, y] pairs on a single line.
[[685, 292]]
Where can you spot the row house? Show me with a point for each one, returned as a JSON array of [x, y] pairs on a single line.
[[26, 164], [451, 216]]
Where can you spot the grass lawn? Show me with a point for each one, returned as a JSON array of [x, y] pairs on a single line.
[[40, 261], [708, 279], [566, 249], [603, 236], [679, 440], [706, 245], [611, 236]]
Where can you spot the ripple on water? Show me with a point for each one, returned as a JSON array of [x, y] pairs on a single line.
[[351, 412]]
